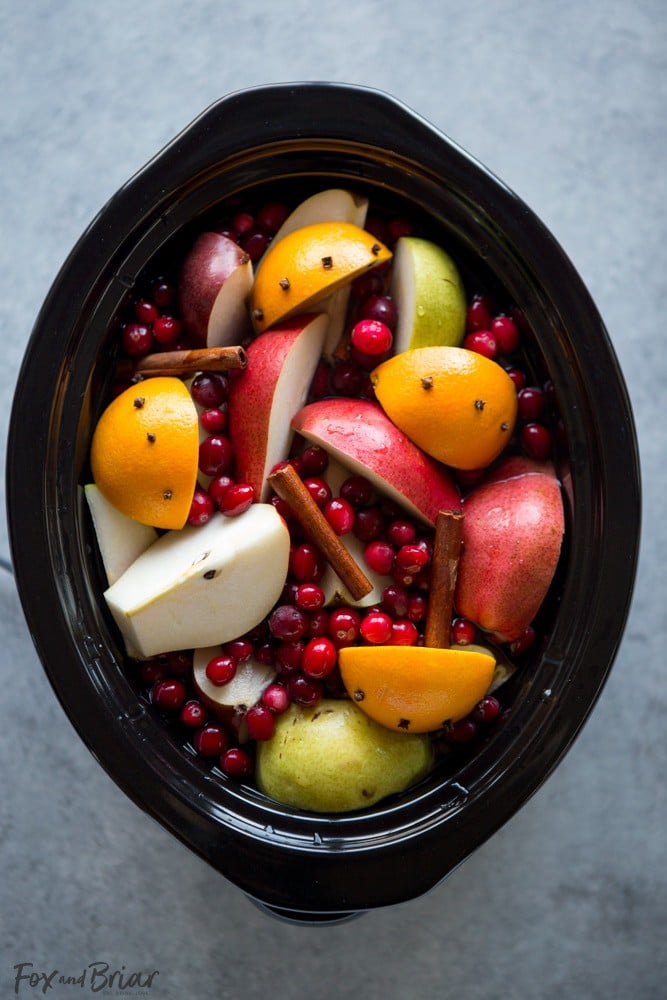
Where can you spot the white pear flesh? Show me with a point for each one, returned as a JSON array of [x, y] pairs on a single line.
[[120, 539], [429, 295], [332, 758], [201, 586], [230, 701]]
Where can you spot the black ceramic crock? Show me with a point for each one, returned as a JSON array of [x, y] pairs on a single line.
[[301, 137]]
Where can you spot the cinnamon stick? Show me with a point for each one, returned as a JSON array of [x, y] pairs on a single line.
[[209, 359], [446, 552], [286, 482]]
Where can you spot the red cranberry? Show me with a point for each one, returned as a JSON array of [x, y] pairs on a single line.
[[221, 669], [242, 223], [319, 387], [319, 658], [306, 563], [412, 558], [151, 671], [276, 698], [215, 455], [264, 653], [379, 556], [372, 337], [346, 379], [209, 389], [487, 709], [318, 489], [201, 508], [531, 403], [193, 714], [518, 377], [480, 313], [395, 600], [271, 216], [399, 227], [309, 597], [525, 641], [379, 307], [463, 731], [340, 515], [236, 499], [505, 330], [403, 633], [482, 342], [145, 311], [401, 533], [463, 632], [376, 627], [314, 460], [236, 763], [358, 491], [214, 420], [168, 694], [255, 243], [318, 623], [210, 741], [137, 340], [179, 662], [344, 624], [368, 524], [367, 284], [536, 441], [218, 487], [288, 623], [240, 649], [416, 607], [261, 722], [288, 656], [167, 329], [304, 691], [162, 293]]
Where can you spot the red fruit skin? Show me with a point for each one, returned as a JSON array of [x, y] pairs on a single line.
[[512, 534], [209, 263]]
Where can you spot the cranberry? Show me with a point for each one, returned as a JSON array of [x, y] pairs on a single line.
[[276, 698], [379, 307], [288, 658], [318, 489], [179, 662], [525, 641], [482, 342], [463, 731], [346, 379], [463, 632], [210, 741], [395, 600], [288, 623], [304, 691], [344, 625], [412, 558], [306, 563], [209, 389], [193, 714], [469, 477], [318, 623], [518, 377], [162, 293], [505, 330], [340, 515], [271, 216], [240, 649], [214, 420], [379, 556], [376, 627], [201, 508], [480, 313], [367, 284], [372, 337], [236, 763], [368, 524], [487, 709], [531, 403], [401, 533], [416, 607], [358, 491], [215, 455], [536, 441], [319, 658], [264, 653], [218, 487], [221, 669], [236, 499], [399, 227], [145, 311], [242, 223], [137, 340], [261, 722], [254, 242], [403, 633], [314, 460], [319, 387], [167, 329], [283, 508], [168, 694], [151, 671], [309, 597]]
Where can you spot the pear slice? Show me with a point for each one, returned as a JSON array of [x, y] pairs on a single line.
[[120, 539], [229, 702], [429, 295], [201, 586]]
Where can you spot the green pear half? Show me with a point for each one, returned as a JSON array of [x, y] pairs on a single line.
[[333, 758], [429, 295]]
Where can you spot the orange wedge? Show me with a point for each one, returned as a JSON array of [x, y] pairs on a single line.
[[415, 689], [306, 265], [145, 452]]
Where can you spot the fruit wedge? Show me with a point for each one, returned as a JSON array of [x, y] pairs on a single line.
[[414, 689], [120, 539], [213, 290], [230, 701], [429, 295], [307, 265]]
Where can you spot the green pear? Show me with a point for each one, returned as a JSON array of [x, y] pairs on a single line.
[[333, 758], [429, 295]]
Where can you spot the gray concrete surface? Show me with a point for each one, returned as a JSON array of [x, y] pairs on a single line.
[[566, 102]]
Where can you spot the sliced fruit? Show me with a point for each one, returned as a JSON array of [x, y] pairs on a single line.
[[414, 689], [203, 585], [363, 439], [144, 452], [458, 406], [230, 701], [332, 758], [270, 390], [307, 265], [512, 535], [335, 591], [213, 291], [429, 295], [119, 539]]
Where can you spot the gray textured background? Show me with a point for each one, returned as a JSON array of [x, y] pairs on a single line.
[[566, 102]]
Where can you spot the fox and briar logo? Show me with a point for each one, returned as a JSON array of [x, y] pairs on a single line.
[[97, 977]]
